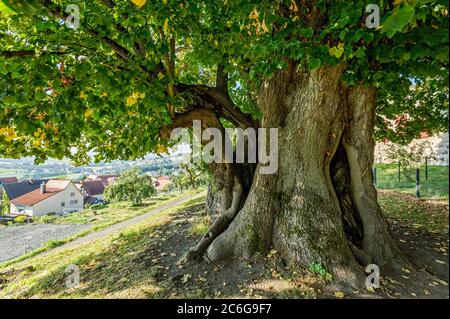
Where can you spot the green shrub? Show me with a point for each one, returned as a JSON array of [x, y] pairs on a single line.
[[54, 243], [46, 219], [20, 219], [98, 206]]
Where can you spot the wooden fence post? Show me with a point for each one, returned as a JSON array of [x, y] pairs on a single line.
[[417, 182]]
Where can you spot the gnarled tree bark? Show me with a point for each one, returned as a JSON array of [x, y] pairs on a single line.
[[320, 206]]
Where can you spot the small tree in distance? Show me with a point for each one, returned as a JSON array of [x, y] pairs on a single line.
[[192, 175], [5, 204], [130, 186]]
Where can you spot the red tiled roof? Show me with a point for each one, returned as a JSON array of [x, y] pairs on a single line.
[[161, 182], [31, 198], [52, 187], [8, 180], [93, 187]]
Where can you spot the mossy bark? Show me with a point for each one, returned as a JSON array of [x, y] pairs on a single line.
[[320, 206]]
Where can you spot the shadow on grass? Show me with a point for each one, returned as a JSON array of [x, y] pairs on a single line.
[[142, 264]]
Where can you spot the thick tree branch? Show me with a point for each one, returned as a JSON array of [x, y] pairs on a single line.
[[220, 102], [25, 53], [222, 79]]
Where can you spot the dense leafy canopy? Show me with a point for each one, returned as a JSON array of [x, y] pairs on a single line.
[[130, 68]]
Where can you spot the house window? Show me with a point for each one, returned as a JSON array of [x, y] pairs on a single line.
[[63, 204], [72, 194], [75, 201], [20, 209]]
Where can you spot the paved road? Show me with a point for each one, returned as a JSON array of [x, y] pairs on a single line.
[[120, 226], [16, 241]]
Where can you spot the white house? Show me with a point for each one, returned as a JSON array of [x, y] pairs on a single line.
[[55, 196]]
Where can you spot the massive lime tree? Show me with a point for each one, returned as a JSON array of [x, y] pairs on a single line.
[[116, 84]]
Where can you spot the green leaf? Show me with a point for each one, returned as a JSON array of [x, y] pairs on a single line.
[[360, 53], [314, 63], [397, 21], [307, 32]]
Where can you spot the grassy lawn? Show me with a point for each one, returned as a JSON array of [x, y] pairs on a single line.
[[436, 186], [105, 215], [141, 261], [105, 265], [429, 215], [100, 218]]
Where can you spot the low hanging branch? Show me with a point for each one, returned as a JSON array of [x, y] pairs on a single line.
[[169, 60]]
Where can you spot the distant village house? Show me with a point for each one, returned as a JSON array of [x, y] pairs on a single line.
[[105, 179], [8, 180], [92, 191], [161, 182], [54, 196]]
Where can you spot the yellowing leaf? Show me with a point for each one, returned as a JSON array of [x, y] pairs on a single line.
[[337, 51], [140, 3], [254, 15], [131, 100], [293, 6], [264, 26], [82, 95], [161, 149], [164, 1], [339, 294], [104, 94], [166, 26], [88, 113]]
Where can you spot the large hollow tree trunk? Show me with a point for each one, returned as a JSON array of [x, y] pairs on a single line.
[[359, 146], [320, 206]]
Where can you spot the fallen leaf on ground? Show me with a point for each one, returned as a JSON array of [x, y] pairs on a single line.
[[339, 294]]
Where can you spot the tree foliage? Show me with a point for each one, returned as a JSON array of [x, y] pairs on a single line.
[[5, 204], [130, 186], [192, 175], [112, 84]]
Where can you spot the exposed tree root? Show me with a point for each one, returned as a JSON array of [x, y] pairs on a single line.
[[220, 225], [321, 205]]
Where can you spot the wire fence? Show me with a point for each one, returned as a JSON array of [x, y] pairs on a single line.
[[427, 181]]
